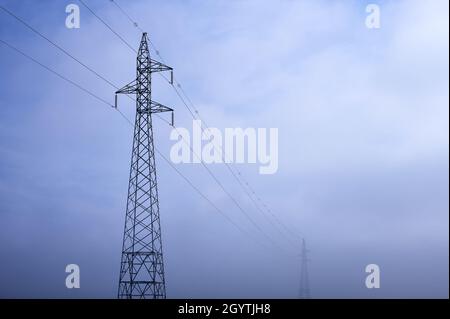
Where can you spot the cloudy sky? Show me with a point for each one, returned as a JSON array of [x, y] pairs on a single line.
[[363, 128]]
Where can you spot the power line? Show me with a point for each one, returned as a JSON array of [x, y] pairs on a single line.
[[56, 73], [223, 156], [107, 25], [218, 181], [203, 121], [114, 86], [195, 114], [92, 71], [84, 65], [54, 44], [228, 193], [128, 16], [204, 197], [196, 189], [225, 161], [204, 165]]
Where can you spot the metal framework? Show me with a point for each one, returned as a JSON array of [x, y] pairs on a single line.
[[142, 266], [304, 280]]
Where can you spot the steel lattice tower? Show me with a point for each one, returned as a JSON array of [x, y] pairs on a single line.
[[142, 266], [304, 280]]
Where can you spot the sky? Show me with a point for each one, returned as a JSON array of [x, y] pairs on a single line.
[[363, 121]]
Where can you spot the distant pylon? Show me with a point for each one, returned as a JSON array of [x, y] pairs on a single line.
[[142, 267], [304, 280]]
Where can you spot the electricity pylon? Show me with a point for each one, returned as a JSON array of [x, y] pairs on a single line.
[[142, 266], [304, 280]]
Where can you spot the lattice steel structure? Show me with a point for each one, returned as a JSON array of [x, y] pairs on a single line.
[[142, 266], [304, 280]]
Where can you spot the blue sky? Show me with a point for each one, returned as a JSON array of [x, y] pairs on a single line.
[[363, 146]]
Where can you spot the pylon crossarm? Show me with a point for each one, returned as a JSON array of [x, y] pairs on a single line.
[[130, 88], [156, 66], [156, 107]]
